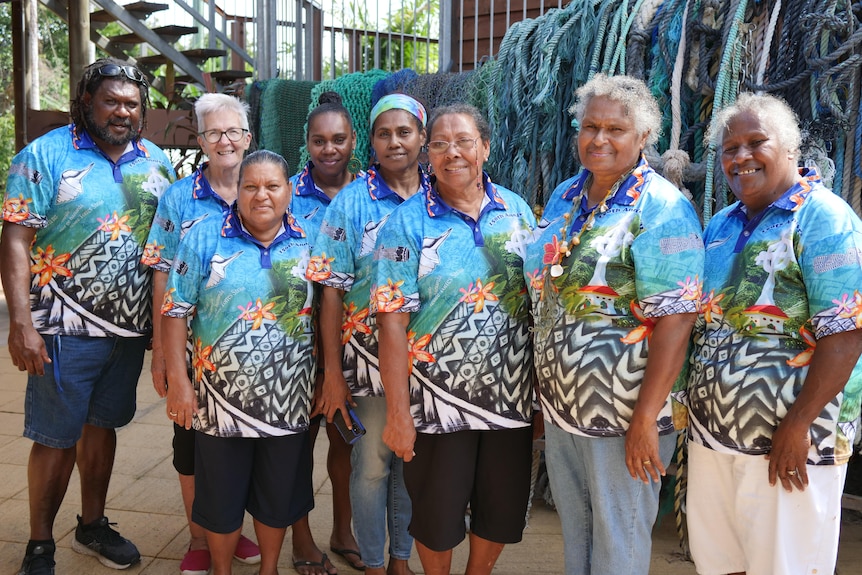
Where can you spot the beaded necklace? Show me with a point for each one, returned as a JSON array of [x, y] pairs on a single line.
[[547, 310]]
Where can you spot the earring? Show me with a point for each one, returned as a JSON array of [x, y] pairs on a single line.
[[354, 166]]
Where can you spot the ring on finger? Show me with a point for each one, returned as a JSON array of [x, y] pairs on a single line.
[[646, 462], [791, 473], [172, 413]]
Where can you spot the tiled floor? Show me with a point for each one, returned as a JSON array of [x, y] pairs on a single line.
[[144, 500]]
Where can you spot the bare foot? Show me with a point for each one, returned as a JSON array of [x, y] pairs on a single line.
[[398, 567]]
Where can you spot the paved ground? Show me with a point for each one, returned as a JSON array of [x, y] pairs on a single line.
[[144, 499]]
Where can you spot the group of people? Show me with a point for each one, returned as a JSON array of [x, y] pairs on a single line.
[[429, 304]]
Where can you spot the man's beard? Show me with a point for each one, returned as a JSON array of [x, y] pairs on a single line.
[[104, 133]]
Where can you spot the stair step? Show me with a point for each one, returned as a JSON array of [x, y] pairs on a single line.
[[197, 55], [225, 77], [201, 55], [139, 10], [169, 34]]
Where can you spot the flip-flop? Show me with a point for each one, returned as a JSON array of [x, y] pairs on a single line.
[[300, 563], [347, 554]]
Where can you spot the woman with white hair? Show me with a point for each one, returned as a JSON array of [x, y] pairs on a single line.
[[613, 277], [224, 137], [776, 383]]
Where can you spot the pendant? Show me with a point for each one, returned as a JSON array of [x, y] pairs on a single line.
[[603, 208], [556, 270]]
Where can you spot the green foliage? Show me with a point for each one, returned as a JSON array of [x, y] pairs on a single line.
[[6, 95], [142, 204], [7, 147], [292, 295], [413, 18]]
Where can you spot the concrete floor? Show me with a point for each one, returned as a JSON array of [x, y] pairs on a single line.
[[144, 500]]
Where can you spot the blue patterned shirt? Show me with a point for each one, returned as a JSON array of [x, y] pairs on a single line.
[[773, 287], [309, 202], [92, 217], [342, 259], [462, 282], [187, 202], [253, 358], [639, 258]]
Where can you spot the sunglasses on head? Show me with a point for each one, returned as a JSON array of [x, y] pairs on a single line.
[[115, 70]]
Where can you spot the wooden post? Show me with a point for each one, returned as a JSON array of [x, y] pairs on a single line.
[[19, 72], [79, 40]]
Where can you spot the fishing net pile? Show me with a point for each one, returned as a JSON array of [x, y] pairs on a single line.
[[696, 56]]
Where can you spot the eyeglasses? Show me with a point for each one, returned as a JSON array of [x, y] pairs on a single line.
[[462, 144], [130, 72], [213, 136]]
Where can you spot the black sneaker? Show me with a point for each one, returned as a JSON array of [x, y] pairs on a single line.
[[39, 560], [109, 547]]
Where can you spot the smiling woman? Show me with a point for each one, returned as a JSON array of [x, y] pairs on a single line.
[[613, 308], [453, 316], [264, 195], [342, 260], [783, 279], [241, 280]]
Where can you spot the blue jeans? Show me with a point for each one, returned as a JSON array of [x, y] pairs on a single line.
[[607, 517], [91, 380], [377, 491]]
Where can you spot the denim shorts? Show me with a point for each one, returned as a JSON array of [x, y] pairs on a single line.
[[91, 380]]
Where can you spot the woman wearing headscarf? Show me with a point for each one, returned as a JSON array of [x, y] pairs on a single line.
[[453, 315], [342, 262]]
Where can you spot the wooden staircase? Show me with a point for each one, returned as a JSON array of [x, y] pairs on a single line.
[[153, 49]]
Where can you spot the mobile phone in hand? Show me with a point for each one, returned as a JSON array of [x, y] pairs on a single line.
[[352, 433]]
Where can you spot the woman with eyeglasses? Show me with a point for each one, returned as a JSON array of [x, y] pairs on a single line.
[[342, 260], [455, 359], [331, 141], [614, 276], [224, 138]]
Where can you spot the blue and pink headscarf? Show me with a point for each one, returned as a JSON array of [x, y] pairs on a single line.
[[398, 102]]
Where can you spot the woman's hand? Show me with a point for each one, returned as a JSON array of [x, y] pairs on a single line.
[[789, 455], [642, 455], [182, 401], [399, 435], [332, 395]]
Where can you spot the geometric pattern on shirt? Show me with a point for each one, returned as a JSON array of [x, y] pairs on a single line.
[[107, 293], [737, 401], [487, 352], [361, 363], [591, 379], [261, 385]]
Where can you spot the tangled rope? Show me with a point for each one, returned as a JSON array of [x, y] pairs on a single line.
[[695, 56]]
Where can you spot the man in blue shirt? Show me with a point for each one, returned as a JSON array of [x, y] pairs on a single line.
[[78, 206]]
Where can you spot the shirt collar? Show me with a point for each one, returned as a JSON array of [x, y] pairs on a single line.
[[378, 189], [305, 185], [233, 228], [437, 207], [792, 199], [81, 140], [628, 192], [201, 187]]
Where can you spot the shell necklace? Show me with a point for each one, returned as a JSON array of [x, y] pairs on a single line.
[[566, 245]]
